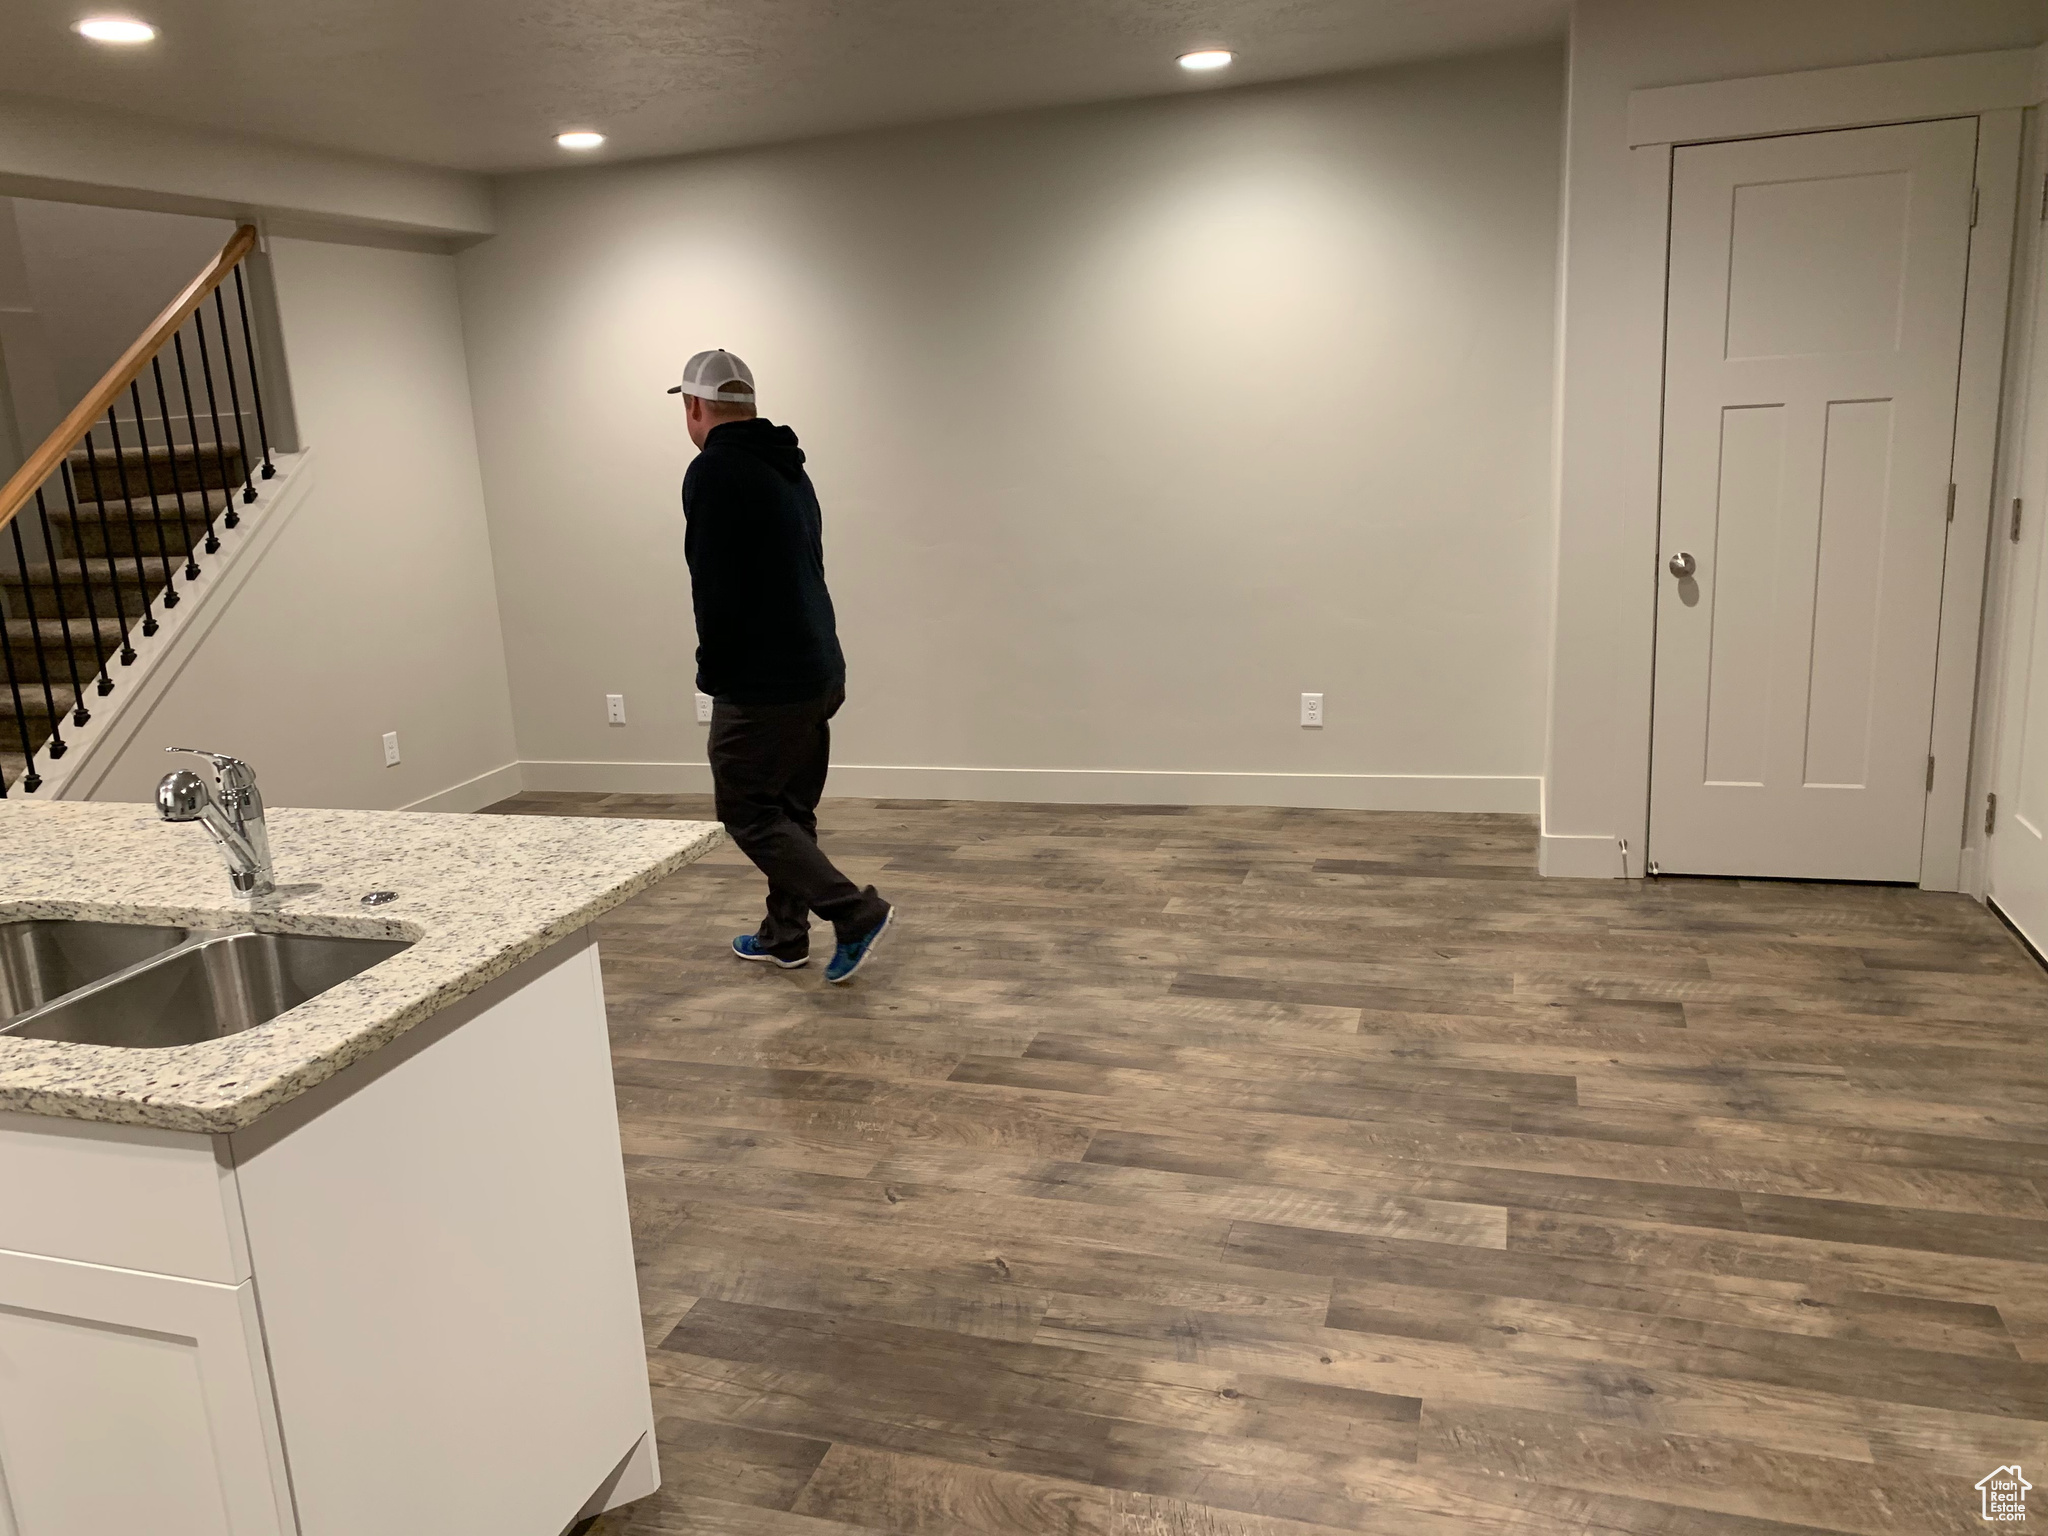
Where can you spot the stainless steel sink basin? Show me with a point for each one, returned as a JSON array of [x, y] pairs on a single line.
[[213, 986], [42, 959]]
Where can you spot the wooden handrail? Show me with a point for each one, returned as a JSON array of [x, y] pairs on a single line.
[[72, 429]]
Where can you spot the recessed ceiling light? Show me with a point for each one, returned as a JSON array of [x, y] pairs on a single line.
[[115, 29], [1206, 58], [581, 138]]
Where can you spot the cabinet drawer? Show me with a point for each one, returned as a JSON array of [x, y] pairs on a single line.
[[120, 1195], [134, 1403]]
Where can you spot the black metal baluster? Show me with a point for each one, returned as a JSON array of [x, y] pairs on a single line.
[[30, 781], [105, 685], [55, 748], [213, 411], [227, 359], [198, 456], [92, 459], [156, 510], [255, 380], [128, 516], [163, 415], [79, 713]]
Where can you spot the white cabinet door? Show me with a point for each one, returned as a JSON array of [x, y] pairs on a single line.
[[131, 1404], [1814, 335]]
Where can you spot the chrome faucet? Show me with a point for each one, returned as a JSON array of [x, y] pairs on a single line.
[[232, 815]]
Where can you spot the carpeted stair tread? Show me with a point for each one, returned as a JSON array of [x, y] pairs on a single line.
[[89, 646], [84, 635], [197, 503], [205, 466], [84, 534], [33, 705], [72, 571], [36, 714]]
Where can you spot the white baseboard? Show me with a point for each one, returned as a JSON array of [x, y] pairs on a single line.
[[1083, 786], [1597, 857], [619, 778], [474, 794]]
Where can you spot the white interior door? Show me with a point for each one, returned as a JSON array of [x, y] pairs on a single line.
[[2017, 868], [1814, 336]]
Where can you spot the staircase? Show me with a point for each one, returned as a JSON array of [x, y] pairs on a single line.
[[114, 512], [70, 621]]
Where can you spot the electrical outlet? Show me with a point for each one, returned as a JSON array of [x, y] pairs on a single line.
[[1312, 709], [391, 749], [615, 709], [703, 709]]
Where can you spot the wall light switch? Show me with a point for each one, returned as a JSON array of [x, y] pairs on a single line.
[[615, 709], [1312, 709], [391, 749], [703, 709]]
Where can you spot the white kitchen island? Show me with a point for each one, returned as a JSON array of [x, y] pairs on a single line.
[[365, 1267]]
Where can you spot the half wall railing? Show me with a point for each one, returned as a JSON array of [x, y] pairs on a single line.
[[120, 504]]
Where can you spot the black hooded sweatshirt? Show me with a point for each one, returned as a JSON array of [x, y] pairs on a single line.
[[754, 542]]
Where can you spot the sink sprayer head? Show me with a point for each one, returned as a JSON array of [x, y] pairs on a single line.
[[182, 796]]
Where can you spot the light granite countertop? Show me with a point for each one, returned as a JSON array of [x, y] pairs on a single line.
[[476, 896]]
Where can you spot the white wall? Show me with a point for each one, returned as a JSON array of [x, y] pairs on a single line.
[[28, 383], [1597, 762], [82, 154], [377, 609], [1131, 425], [100, 275]]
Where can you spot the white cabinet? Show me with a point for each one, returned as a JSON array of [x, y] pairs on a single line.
[[403, 1300], [132, 1402]]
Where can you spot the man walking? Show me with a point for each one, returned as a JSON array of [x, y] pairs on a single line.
[[768, 654]]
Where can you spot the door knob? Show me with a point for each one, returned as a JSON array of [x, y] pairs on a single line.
[[1683, 565]]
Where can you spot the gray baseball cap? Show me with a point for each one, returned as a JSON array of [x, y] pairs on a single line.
[[704, 374]]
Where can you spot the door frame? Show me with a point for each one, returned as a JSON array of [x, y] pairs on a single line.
[[1995, 89], [2029, 300]]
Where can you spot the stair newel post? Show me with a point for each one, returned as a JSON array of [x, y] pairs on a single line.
[[227, 359], [156, 507], [198, 455], [128, 517], [30, 781], [213, 412], [92, 458], [56, 747], [163, 415], [79, 713], [255, 378]]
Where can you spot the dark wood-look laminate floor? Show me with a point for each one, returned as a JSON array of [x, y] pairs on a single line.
[[1279, 1173]]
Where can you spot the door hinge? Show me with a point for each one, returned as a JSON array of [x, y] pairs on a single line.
[[1951, 501], [2044, 199], [1976, 200], [2016, 505], [1930, 773], [1990, 813]]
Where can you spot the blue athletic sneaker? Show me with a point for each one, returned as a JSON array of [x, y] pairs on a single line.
[[849, 958], [747, 947]]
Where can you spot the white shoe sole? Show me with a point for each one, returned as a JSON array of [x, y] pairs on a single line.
[[774, 960], [888, 921]]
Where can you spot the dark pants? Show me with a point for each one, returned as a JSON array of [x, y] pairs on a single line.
[[768, 764]]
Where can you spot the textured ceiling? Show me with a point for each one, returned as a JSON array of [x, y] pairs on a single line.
[[485, 84]]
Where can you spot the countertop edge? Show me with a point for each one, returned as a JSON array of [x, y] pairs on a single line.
[[84, 1106]]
